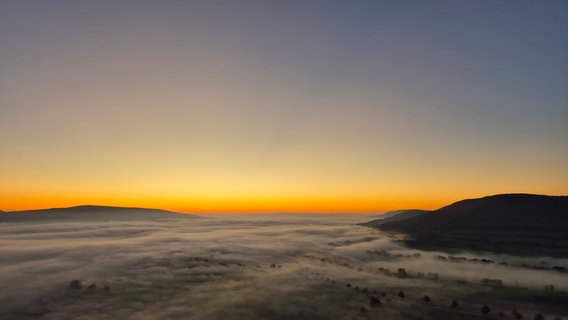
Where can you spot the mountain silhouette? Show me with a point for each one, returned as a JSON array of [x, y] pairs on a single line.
[[520, 224], [90, 213], [397, 215]]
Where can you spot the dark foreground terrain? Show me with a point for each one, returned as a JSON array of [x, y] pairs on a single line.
[[516, 224]]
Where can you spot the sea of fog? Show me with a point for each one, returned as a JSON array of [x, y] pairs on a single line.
[[249, 267]]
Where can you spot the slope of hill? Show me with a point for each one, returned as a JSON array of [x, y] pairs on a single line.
[[90, 213], [519, 224], [392, 216]]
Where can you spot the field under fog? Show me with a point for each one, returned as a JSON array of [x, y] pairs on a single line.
[[258, 267]]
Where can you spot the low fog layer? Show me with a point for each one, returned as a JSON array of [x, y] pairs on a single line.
[[252, 267]]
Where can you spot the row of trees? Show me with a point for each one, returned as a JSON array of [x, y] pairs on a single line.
[[78, 285], [485, 309], [374, 301]]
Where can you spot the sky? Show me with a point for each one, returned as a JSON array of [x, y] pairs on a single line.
[[281, 106]]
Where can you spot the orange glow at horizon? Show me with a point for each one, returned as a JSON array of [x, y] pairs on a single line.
[[220, 205], [237, 109], [344, 205], [366, 206]]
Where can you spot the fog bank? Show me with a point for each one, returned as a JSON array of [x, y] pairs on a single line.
[[243, 267]]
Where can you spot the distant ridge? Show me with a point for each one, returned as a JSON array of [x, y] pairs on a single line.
[[521, 224], [397, 212], [392, 216], [90, 213]]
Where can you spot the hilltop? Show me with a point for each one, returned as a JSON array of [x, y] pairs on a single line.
[[392, 216], [519, 224], [90, 213]]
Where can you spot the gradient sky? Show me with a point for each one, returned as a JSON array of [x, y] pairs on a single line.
[[269, 106]]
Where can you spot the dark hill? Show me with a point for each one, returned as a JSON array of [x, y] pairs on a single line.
[[521, 224], [392, 216], [90, 213]]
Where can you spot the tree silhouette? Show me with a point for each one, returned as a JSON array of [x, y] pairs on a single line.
[[538, 316], [374, 301], [401, 294], [455, 304], [426, 299], [485, 309], [516, 315], [75, 284]]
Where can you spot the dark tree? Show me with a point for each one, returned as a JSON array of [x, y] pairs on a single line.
[[348, 285], [426, 299], [363, 310], [401, 294], [516, 315], [485, 309], [538, 316], [548, 288], [502, 315], [75, 284], [454, 304], [92, 287], [374, 301]]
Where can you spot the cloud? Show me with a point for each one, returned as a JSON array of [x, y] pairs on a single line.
[[249, 267]]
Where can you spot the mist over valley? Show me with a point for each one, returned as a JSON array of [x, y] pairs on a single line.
[[279, 266]]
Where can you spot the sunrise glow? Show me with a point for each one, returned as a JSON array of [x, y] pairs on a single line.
[[235, 108]]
